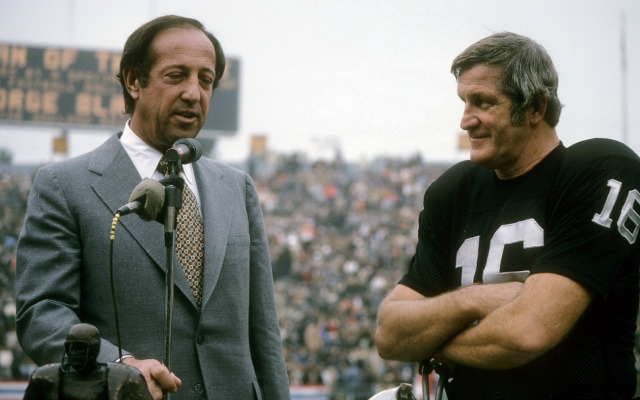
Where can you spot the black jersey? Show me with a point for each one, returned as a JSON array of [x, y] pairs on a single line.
[[576, 214]]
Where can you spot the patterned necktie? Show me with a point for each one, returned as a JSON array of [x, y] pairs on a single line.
[[189, 238]]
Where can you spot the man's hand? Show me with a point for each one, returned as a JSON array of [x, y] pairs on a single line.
[[159, 378]]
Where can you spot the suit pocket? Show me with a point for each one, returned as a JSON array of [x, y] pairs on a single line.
[[236, 267]]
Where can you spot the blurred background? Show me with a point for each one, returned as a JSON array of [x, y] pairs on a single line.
[[371, 78], [343, 111]]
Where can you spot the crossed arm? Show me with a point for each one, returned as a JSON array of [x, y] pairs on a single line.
[[515, 322]]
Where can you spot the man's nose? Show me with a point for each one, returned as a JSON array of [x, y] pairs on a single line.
[[469, 119], [191, 90]]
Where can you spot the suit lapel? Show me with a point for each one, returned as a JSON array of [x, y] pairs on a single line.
[[118, 179], [214, 195]]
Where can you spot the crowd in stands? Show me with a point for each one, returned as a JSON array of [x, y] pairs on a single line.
[[14, 188], [341, 236]]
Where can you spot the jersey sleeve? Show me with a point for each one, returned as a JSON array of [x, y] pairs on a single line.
[[429, 270], [591, 234]]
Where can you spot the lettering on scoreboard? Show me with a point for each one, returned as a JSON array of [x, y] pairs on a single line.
[[79, 88]]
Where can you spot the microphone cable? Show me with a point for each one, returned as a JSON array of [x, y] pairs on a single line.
[[146, 200], [112, 237]]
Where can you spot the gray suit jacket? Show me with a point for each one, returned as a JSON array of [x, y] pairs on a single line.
[[232, 350]]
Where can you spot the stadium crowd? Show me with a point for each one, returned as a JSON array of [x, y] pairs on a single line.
[[14, 188], [340, 235]]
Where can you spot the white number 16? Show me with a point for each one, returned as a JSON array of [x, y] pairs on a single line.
[[532, 235], [627, 212]]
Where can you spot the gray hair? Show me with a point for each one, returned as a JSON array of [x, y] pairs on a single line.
[[527, 74]]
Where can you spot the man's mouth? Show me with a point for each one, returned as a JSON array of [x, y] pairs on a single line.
[[187, 115], [478, 135]]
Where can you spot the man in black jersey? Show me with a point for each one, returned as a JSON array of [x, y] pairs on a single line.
[[525, 277]]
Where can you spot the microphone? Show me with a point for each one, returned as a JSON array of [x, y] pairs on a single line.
[[146, 200], [185, 150]]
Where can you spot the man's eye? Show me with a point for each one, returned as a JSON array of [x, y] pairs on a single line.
[[174, 76], [483, 103], [207, 82]]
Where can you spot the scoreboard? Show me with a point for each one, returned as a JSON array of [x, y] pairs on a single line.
[[78, 88]]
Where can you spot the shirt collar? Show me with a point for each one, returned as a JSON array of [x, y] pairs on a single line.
[[146, 158]]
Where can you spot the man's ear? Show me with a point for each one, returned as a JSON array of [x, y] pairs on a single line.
[[539, 109], [131, 82]]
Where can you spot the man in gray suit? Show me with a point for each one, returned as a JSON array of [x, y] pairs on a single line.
[[225, 338]]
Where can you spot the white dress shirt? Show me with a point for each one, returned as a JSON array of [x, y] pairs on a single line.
[[146, 159]]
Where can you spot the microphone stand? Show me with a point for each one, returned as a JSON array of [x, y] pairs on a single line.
[[172, 203]]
